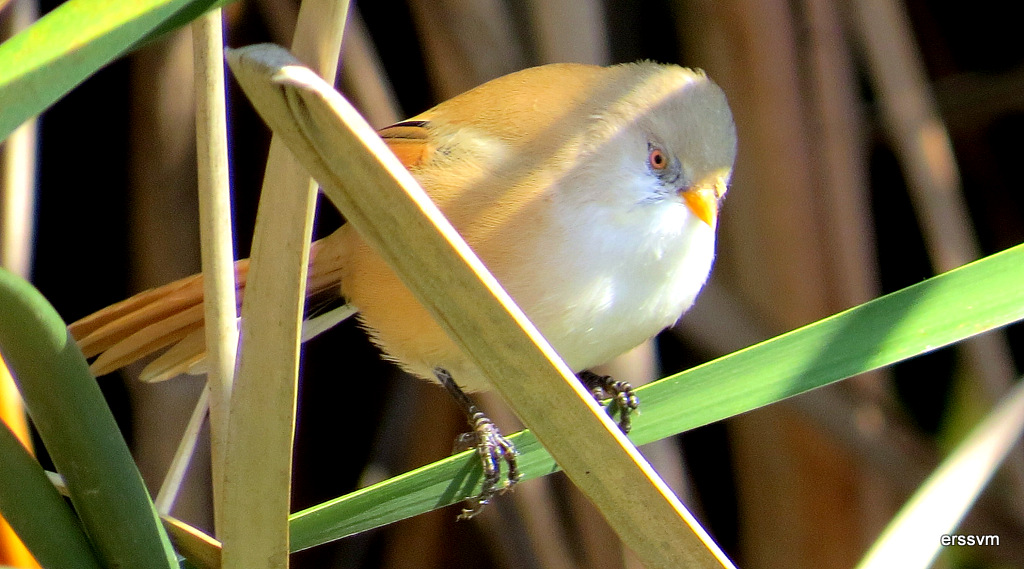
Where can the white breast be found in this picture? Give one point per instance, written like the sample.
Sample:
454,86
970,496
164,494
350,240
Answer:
631,279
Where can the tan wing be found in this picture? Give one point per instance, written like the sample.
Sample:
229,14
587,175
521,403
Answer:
409,141
171,316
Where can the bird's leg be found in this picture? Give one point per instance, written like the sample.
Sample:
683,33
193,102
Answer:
621,393
490,446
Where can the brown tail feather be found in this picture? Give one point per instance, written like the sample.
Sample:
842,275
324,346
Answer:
172,316
89,330
150,339
182,357
140,312
145,323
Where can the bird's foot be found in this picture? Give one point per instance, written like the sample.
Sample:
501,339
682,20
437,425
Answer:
491,446
624,400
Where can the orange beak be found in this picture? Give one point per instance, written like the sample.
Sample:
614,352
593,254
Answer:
702,199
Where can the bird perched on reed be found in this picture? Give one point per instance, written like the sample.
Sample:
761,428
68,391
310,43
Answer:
591,193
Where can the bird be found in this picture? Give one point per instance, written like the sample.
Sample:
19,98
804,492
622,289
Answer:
591,193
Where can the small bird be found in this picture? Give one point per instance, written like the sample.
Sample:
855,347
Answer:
591,193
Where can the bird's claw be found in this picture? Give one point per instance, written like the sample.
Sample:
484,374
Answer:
624,399
492,448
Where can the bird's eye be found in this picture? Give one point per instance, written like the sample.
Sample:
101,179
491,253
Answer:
657,159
